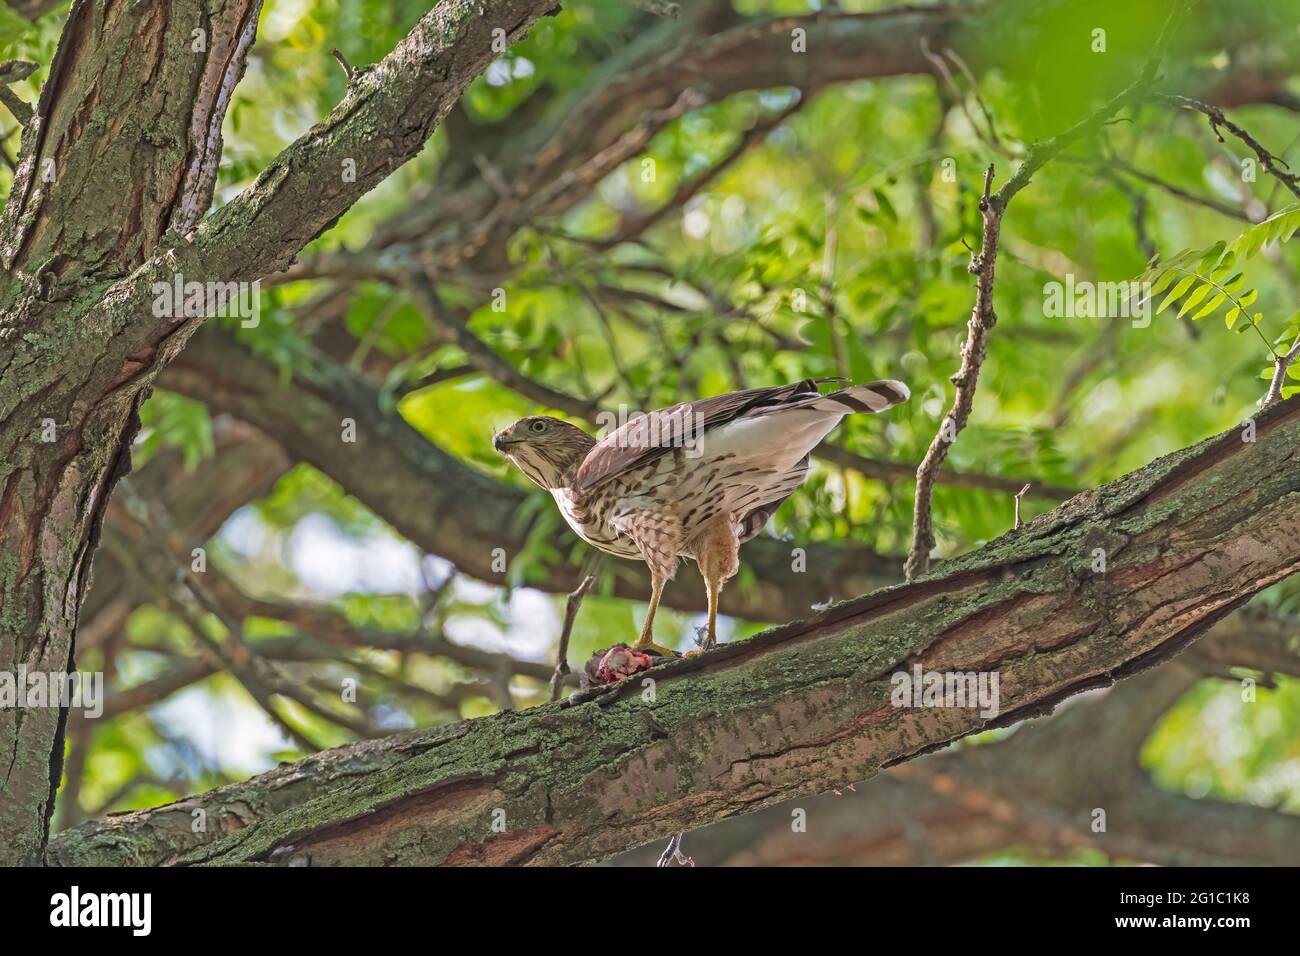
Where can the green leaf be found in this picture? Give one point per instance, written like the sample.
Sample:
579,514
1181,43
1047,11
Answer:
1210,306
1211,258
1163,282
1183,285
886,207
1192,300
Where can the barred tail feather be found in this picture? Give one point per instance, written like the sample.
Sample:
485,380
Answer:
871,398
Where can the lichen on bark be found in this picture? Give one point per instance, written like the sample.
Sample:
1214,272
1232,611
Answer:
801,708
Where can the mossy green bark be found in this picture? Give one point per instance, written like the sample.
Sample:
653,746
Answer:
796,710
115,173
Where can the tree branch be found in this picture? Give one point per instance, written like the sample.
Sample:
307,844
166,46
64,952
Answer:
983,317
316,179
1034,793
1218,121
798,709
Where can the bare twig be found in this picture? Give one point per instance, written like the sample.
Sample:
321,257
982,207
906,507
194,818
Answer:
1138,200
636,226
673,853
941,67
975,93
1273,165
982,320
830,248
348,69
983,317
1119,165
1019,494
450,328
885,470
543,197
570,615
493,176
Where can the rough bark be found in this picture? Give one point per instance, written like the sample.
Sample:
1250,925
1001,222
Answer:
797,710
115,172
1033,793
110,162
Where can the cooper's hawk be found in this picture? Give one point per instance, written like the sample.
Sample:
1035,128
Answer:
695,480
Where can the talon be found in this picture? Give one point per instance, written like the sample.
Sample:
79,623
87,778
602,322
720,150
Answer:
651,647
705,640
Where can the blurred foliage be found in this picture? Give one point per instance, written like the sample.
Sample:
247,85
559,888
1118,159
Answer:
1226,741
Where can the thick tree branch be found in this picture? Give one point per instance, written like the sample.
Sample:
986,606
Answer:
244,466
798,709
1034,793
316,179
115,171
111,160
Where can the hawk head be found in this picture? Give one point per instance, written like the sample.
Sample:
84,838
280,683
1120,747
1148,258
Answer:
546,449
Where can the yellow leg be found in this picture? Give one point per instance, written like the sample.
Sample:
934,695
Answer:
716,554
715,588
646,641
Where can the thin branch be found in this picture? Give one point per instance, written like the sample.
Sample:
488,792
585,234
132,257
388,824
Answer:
991,137
1119,165
1273,165
570,615
573,774
687,191
975,92
1019,494
830,248
982,320
453,330
886,470
983,317
348,69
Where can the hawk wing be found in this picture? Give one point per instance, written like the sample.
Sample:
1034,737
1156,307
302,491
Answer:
641,440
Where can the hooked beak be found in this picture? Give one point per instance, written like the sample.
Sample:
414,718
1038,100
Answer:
501,443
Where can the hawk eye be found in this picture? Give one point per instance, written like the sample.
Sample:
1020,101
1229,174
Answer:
537,427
